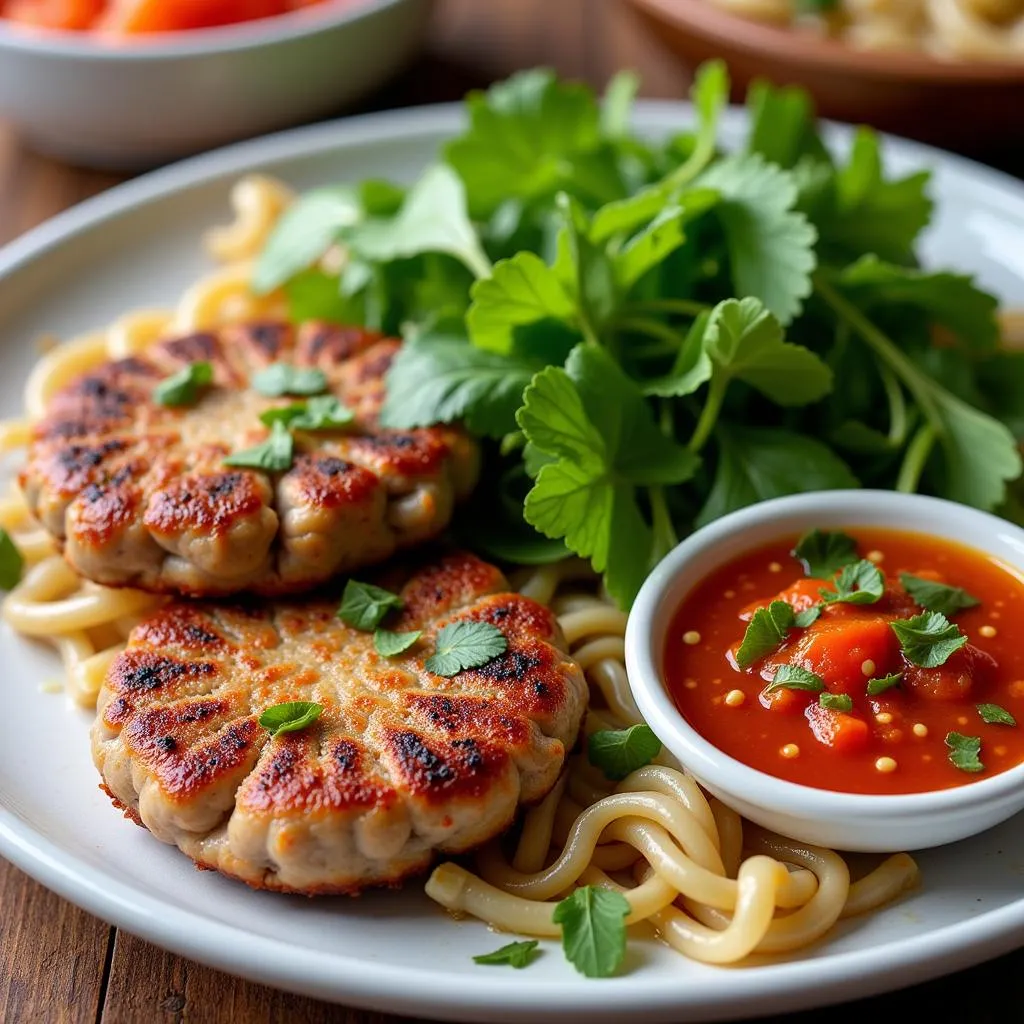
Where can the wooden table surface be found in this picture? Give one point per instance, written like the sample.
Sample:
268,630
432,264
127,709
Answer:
60,964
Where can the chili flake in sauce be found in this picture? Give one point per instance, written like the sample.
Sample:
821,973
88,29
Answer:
878,661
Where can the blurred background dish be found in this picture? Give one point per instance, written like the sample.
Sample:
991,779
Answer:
91,99
962,87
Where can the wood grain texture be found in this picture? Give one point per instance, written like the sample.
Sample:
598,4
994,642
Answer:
58,964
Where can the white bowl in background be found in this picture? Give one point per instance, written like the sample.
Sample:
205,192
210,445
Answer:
845,821
158,98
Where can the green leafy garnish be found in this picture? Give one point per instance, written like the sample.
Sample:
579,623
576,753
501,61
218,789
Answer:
836,701
795,677
765,632
964,752
995,715
929,639
937,597
858,583
11,562
274,455
465,645
183,387
279,379
882,683
515,954
390,644
290,717
324,412
824,553
593,924
808,616
617,752
363,606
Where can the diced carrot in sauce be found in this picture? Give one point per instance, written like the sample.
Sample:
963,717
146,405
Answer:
180,15
801,595
956,680
845,733
71,15
788,701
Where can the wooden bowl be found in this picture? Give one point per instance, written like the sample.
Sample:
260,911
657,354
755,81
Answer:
955,104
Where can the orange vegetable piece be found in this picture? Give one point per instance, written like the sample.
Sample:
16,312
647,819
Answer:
964,669
843,732
63,14
801,595
180,15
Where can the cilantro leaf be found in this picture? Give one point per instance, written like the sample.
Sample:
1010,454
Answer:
929,639
303,234
432,219
314,295
808,616
617,104
363,606
522,290
11,562
755,464
182,388
765,632
882,683
782,127
744,341
836,701
823,552
937,597
964,752
389,644
795,677
995,715
274,455
771,246
441,379
465,645
857,583
324,412
692,365
291,716
593,924
280,379
617,752
515,954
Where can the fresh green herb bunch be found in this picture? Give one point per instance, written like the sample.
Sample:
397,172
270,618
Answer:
653,333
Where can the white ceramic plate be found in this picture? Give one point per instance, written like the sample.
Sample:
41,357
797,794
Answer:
138,245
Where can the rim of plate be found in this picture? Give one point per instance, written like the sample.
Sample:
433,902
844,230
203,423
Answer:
245,35
343,978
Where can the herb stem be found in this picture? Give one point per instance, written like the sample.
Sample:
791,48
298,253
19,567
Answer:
709,414
665,536
898,422
652,328
915,458
685,307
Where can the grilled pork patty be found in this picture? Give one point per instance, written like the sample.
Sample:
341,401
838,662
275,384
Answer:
401,763
139,495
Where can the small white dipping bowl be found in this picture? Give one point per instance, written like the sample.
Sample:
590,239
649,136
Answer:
156,98
844,821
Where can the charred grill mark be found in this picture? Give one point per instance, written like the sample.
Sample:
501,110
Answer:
419,761
198,767
325,481
514,666
266,339
346,756
201,347
324,344
179,625
213,502
135,671
167,743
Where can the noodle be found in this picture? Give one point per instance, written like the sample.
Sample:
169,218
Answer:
713,887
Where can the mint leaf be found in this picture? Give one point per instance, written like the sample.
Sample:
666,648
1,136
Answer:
521,291
593,924
765,632
964,752
290,717
441,379
995,715
433,219
745,342
928,640
389,644
794,677
183,387
324,412
836,701
618,752
882,683
937,597
464,645
771,246
363,606
858,583
11,562
755,464
515,954
279,379
274,455
304,232
823,553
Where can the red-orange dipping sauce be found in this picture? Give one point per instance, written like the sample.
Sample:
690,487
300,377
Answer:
876,694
